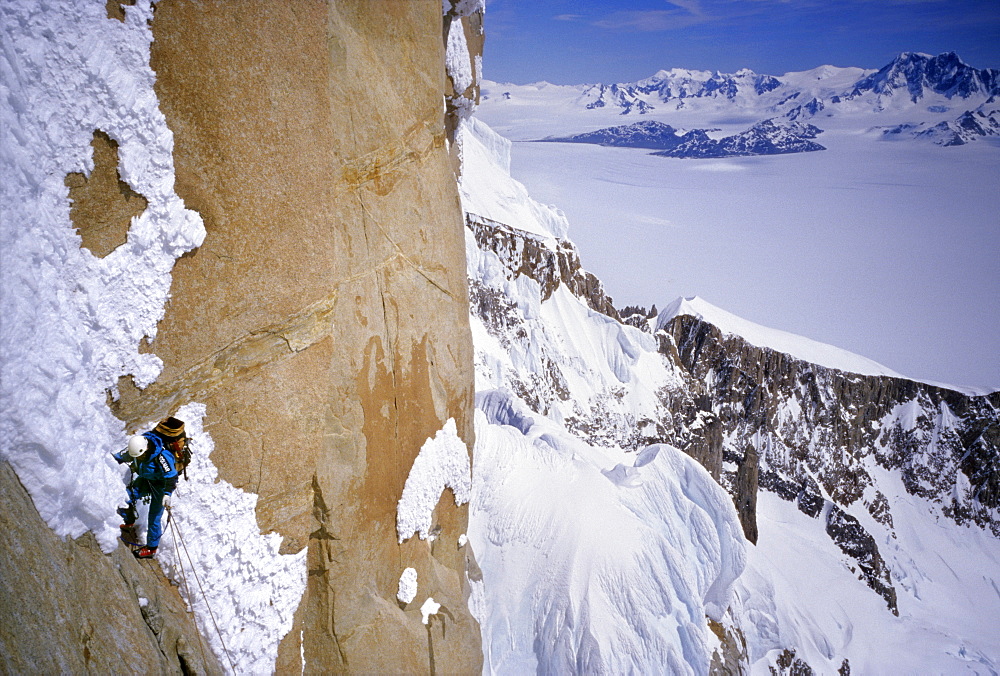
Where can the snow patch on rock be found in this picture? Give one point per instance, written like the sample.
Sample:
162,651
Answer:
430,607
407,590
443,462
231,575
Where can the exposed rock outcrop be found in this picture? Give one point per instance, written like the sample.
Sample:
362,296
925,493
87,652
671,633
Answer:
811,420
68,608
815,433
528,255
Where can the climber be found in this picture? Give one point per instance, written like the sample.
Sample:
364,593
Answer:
156,459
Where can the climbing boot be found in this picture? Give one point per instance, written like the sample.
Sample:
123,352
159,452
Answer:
127,514
145,553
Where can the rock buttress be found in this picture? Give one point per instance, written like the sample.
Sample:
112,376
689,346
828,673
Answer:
324,322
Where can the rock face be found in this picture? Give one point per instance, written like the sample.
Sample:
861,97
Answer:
323,323
67,608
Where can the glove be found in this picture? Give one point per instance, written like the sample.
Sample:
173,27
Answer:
166,501
122,456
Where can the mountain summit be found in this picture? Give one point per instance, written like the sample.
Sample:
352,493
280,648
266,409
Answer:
919,74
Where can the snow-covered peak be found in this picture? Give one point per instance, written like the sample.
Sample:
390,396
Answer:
905,57
833,78
677,74
797,346
921,73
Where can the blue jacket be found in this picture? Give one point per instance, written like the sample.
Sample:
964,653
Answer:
157,464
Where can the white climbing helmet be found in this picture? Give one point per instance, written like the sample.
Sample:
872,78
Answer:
137,445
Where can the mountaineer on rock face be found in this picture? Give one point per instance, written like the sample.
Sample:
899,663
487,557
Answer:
156,458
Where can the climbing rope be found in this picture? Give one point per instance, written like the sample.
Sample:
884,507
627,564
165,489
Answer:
187,592
180,539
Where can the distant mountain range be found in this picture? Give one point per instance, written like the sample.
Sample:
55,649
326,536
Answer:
934,98
917,75
775,136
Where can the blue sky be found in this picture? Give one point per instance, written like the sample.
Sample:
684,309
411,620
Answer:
582,41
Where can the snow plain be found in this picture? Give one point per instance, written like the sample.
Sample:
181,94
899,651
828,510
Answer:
884,248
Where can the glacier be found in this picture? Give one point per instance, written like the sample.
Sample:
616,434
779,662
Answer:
877,244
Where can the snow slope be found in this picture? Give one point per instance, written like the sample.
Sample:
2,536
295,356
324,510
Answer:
797,591
595,562
72,323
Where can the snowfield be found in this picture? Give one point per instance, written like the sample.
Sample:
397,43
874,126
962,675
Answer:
592,565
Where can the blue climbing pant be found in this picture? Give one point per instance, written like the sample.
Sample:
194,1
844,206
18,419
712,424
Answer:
154,490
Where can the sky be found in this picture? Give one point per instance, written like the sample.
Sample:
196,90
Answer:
585,41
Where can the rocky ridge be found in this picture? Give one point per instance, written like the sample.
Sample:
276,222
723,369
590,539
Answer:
817,436
645,134
775,136
767,137
966,128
